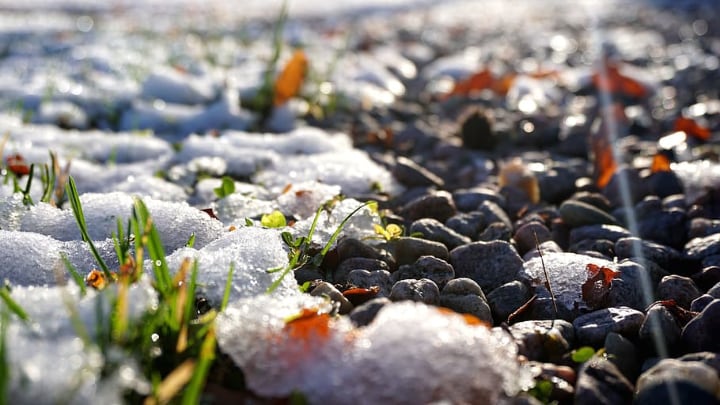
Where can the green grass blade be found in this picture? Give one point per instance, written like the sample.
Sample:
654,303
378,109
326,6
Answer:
340,227
228,287
27,200
77,278
12,305
191,240
150,238
197,383
191,287
4,365
74,198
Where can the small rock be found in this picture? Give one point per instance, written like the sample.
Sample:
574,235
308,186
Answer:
364,314
663,184
367,279
556,184
675,201
307,273
592,328
350,247
408,249
464,296
494,213
468,200
678,288
701,334
702,227
637,187
329,290
700,248
422,290
439,205
495,231
490,264
476,130
595,232
601,382
411,174
341,273
543,340
527,235
468,224
667,227
690,382
707,358
660,319
507,298
432,268
432,229
578,213
597,200
707,277
545,247
666,257
623,353
701,302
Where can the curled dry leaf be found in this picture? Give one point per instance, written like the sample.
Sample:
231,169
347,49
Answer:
308,325
604,164
596,288
16,163
291,78
359,295
661,162
692,128
96,279
614,82
682,316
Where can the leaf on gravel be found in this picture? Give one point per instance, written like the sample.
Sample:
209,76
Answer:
604,162
692,128
596,288
477,81
614,82
291,78
308,325
661,162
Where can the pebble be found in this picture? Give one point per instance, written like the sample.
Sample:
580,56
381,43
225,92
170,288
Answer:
543,340
661,318
701,248
638,188
591,329
494,213
664,256
495,231
329,290
525,236
601,382
490,264
701,302
411,174
701,333
545,247
367,279
507,298
468,200
307,273
597,200
340,274
350,247
623,353
408,249
578,213
706,278
476,129
429,267
364,314
439,205
556,184
667,227
707,358
714,291
691,382
432,229
595,232
702,227
664,184
678,288
469,224
465,296
422,290
604,247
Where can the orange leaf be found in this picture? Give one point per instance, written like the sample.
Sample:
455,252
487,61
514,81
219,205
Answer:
309,324
604,162
502,85
615,82
291,78
471,320
692,128
596,289
660,163
17,164
478,81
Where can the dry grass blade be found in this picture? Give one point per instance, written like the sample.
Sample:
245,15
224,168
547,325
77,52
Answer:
547,279
173,383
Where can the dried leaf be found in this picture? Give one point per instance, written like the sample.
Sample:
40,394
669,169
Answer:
478,81
692,128
604,162
97,280
16,163
682,316
596,289
309,324
660,163
471,320
616,83
290,80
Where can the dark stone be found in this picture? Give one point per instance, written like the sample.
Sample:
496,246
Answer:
476,130
688,382
543,340
627,289
663,184
364,314
356,263
495,231
678,288
470,200
507,298
527,235
432,229
329,290
490,264
439,205
468,224
597,200
701,334
666,227
307,273
600,382
408,249
422,290
595,232
578,213
432,268
661,319
702,227
351,247
700,248
664,256
623,353
556,184
411,174
367,279
707,277
592,328
494,213
464,296
701,302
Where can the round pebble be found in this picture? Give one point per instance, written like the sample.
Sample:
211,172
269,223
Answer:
578,213
432,229
429,267
367,279
422,290
701,333
439,205
490,264
591,329
678,288
408,249
466,297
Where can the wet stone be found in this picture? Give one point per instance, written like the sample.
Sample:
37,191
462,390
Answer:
627,289
364,314
701,334
692,382
495,231
439,205
367,279
411,174
356,263
602,246
490,264
664,256
623,353
432,229
326,289
714,291
707,358
592,328
666,227
467,224
476,130
545,247
678,288
659,317
663,184
307,273
429,267
597,200
601,382
675,201
525,236
408,249
543,340
507,298
578,213
595,232
464,296
422,290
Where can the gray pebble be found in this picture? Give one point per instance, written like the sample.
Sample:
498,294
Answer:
666,227
543,340
432,268
342,271
495,231
661,319
601,382
507,298
714,291
329,290
470,200
592,328
525,236
707,358
407,249
307,273
490,264
432,229
702,227
700,248
690,382
595,232
350,247
578,213
367,279
439,205
466,297
545,247
556,184
422,290
411,174
364,314
701,302
678,288
665,256
627,289
623,353
468,224
701,333
494,213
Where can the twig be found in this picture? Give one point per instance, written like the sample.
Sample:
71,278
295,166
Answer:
547,280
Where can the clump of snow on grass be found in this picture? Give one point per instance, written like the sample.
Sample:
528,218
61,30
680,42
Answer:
251,251
359,226
174,86
444,359
29,258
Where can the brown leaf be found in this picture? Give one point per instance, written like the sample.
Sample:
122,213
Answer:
604,162
596,289
692,128
616,83
290,80
16,163
660,163
308,325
